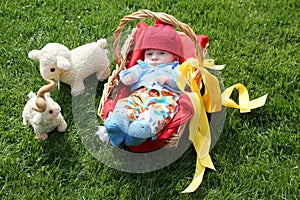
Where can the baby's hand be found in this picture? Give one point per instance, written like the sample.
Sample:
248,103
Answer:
163,79
129,79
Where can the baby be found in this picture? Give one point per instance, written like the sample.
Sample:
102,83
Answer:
152,81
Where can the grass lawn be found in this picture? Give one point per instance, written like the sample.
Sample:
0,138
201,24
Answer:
257,155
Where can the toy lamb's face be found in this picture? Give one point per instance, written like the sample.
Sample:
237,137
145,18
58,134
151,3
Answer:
53,109
49,71
54,59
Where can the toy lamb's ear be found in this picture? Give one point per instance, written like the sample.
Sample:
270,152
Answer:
102,43
34,54
37,118
47,94
63,63
31,95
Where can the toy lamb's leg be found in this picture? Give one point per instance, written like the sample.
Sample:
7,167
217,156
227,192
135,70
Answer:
62,127
25,122
103,74
41,136
77,88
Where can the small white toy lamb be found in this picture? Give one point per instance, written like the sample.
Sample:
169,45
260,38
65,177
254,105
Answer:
72,67
43,113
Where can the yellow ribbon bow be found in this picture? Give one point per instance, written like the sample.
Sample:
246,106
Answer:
212,97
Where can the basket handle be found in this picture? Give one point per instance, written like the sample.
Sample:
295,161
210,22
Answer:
166,18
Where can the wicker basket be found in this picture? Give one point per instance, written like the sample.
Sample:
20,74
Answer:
121,56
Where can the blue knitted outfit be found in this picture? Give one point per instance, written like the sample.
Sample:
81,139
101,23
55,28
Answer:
148,109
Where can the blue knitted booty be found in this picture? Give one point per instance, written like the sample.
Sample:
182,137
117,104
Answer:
133,141
112,124
140,129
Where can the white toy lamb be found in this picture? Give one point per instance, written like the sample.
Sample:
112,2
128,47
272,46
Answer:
42,113
72,67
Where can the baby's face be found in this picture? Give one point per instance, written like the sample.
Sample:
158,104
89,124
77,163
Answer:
156,57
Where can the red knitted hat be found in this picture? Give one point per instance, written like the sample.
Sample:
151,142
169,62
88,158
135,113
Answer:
162,36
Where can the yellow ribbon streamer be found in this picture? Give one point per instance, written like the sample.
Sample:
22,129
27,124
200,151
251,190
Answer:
201,138
244,104
199,126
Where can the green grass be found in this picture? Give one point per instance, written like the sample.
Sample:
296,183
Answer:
257,155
